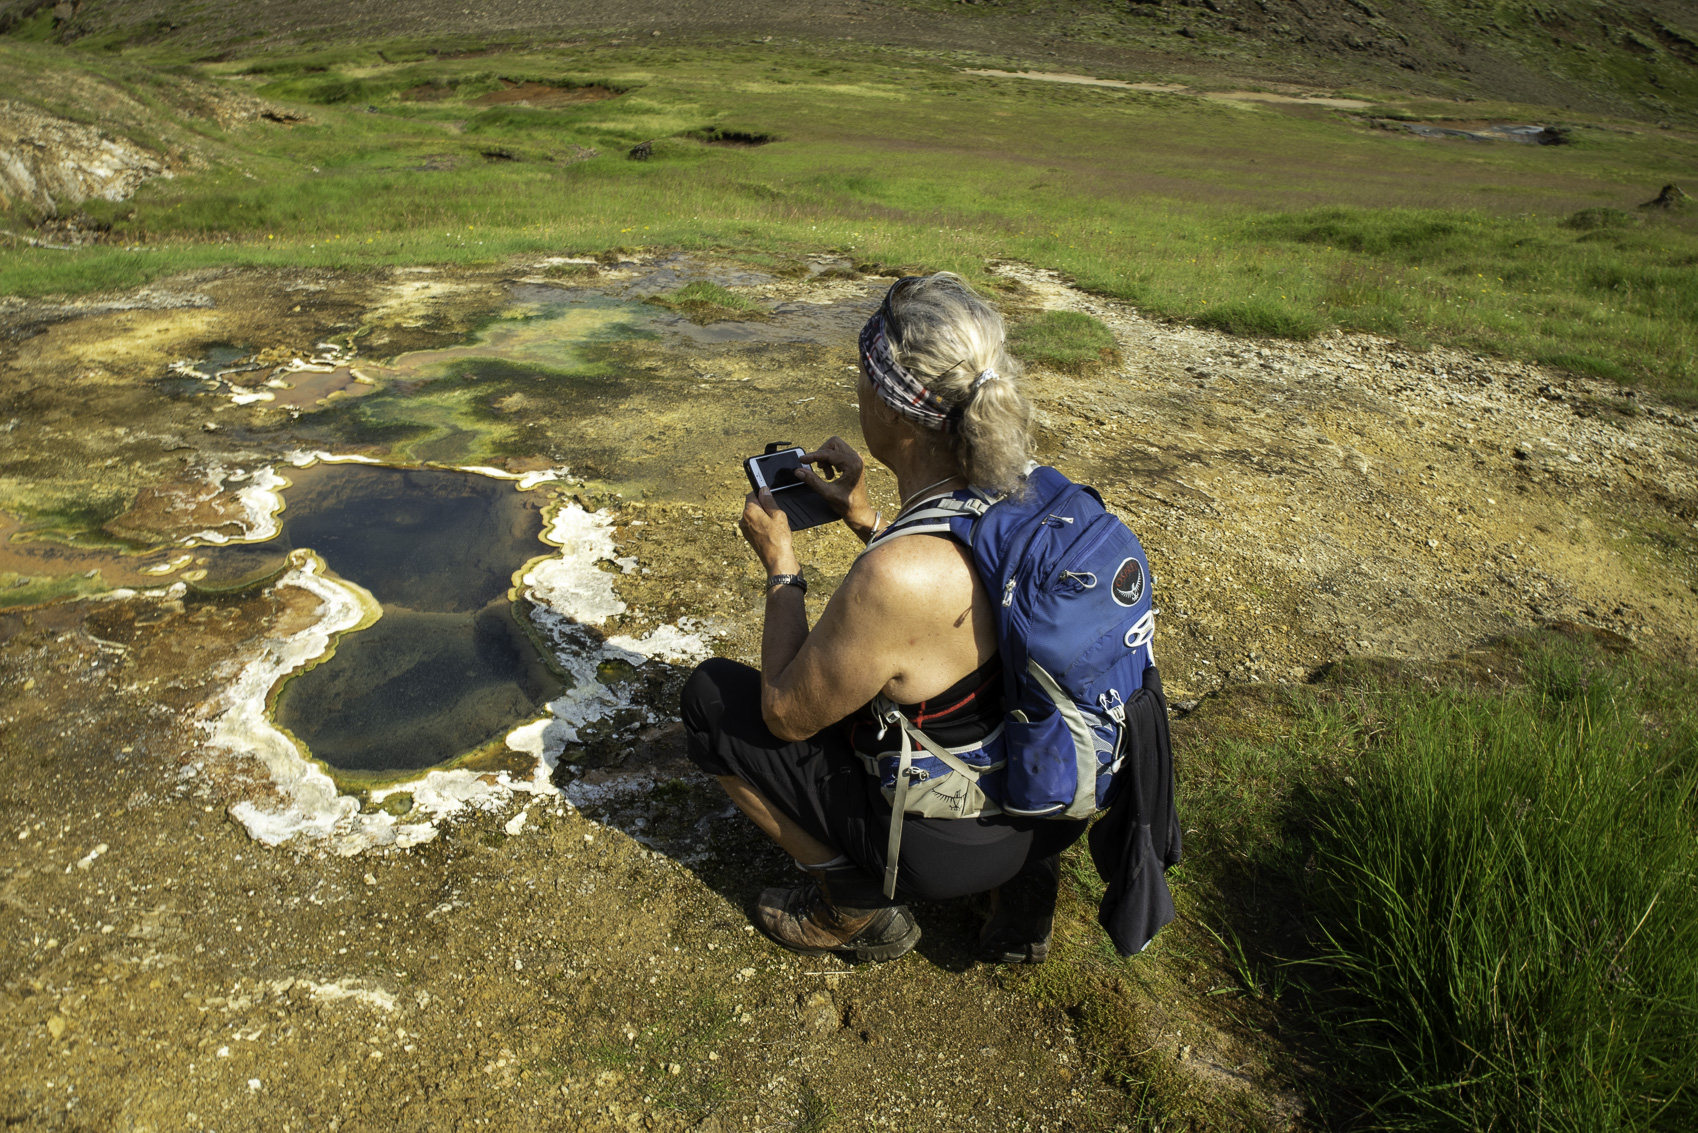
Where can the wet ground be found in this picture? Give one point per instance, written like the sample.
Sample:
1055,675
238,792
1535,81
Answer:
525,958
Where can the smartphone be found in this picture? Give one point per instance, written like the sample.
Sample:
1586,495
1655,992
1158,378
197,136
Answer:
775,470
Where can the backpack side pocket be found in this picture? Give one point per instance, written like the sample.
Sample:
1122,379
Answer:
1053,759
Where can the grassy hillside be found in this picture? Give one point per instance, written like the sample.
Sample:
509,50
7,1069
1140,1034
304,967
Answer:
1259,219
1638,58
1632,57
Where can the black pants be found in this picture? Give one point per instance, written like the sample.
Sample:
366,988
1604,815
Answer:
822,786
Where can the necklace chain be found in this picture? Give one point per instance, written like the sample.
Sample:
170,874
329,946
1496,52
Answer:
929,487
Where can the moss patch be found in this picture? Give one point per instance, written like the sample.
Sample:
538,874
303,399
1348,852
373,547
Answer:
1064,340
706,302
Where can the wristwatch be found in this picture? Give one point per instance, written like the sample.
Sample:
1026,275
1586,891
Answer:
796,580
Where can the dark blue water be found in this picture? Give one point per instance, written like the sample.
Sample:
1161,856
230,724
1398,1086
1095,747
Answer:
447,668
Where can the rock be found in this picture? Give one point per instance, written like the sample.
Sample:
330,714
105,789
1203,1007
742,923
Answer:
56,1026
51,162
1672,198
817,1013
642,151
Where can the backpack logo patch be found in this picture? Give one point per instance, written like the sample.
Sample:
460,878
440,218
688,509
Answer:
1129,583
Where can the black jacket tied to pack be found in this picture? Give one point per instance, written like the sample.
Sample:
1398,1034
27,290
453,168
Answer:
1134,843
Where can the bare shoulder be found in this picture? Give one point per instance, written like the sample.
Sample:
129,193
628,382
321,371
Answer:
913,570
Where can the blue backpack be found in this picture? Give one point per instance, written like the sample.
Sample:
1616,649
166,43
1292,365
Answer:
1074,625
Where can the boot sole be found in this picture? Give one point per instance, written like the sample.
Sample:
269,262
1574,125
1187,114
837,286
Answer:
866,953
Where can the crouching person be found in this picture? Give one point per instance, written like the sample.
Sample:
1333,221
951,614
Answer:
806,746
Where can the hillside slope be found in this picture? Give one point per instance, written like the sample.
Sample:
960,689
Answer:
1633,57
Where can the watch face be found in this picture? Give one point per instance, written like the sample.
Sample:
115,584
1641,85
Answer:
1128,585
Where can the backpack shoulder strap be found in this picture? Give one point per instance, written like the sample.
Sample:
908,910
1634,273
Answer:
942,516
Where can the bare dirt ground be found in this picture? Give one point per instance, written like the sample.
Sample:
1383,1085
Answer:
589,965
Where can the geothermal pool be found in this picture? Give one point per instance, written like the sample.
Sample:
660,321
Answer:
456,622
447,667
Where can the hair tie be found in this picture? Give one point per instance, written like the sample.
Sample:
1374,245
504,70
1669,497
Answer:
986,375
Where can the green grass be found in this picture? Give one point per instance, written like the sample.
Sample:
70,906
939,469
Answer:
1264,318
1471,890
1506,894
1588,219
706,302
1064,340
1239,218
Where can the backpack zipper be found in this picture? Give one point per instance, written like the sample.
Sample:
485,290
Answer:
1063,498
1100,531
1111,703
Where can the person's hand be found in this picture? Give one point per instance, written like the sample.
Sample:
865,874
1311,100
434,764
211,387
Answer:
842,481
768,531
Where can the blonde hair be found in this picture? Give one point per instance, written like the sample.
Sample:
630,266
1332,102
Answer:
947,336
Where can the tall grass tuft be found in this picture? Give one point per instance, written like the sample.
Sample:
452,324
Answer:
1507,898
1260,318
704,301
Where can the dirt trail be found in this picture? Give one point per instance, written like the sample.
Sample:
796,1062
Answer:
583,962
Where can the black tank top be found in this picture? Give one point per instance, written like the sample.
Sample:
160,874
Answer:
964,713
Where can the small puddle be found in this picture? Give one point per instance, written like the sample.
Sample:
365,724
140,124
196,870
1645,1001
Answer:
1482,132
552,364
447,668
233,373
453,655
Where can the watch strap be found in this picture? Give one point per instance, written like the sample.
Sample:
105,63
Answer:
796,580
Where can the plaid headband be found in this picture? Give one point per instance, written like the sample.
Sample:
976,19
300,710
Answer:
895,386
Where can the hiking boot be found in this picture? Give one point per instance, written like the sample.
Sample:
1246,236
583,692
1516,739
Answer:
838,909
1022,918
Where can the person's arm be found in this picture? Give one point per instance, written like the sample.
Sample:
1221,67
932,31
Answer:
902,620
786,625
850,656
904,614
